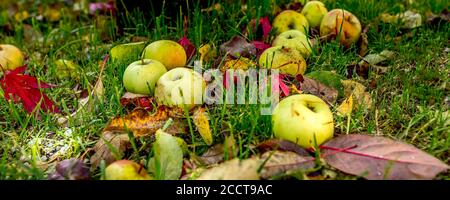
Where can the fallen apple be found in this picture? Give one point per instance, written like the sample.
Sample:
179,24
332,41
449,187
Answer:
180,87
126,170
288,20
287,60
342,25
303,119
169,53
124,53
140,77
294,39
10,57
314,12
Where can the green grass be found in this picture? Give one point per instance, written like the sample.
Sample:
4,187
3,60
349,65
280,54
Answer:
409,99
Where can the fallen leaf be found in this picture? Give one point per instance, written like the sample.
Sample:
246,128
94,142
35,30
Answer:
358,91
364,42
207,53
188,47
70,169
27,89
317,88
137,101
237,47
201,121
408,19
168,159
346,106
110,147
141,123
216,153
260,47
281,145
239,63
374,59
433,19
376,158
233,170
280,162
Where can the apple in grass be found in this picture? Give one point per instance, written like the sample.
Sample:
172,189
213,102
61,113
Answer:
314,12
169,53
126,170
127,52
294,39
140,77
304,119
10,57
287,60
181,87
341,25
289,20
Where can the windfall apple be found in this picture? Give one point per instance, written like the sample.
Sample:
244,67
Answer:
126,170
341,25
287,60
169,53
10,57
140,77
290,19
314,12
294,39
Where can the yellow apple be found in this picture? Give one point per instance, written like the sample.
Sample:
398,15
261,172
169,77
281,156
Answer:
294,39
314,12
180,87
287,60
126,170
301,118
10,57
341,24
169,53
288,20
141,76
127,52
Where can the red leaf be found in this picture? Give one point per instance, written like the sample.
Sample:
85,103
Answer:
260,46
26,88
188,46
266,27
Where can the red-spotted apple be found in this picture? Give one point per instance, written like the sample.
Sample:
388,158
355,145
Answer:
10,57
290,19
301,118
126,170
294,39
169,53
180,87
342,25
140,77
314,12
287,60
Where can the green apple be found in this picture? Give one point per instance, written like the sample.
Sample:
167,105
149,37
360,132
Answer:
287,60
10,57
124,53
66,69
180,87
288,20
141,76
342,25
294,39
126,170
314,12
301,118
169,53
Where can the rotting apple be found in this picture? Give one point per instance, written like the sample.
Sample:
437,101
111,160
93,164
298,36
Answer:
342,25
127,52
314,12
126,170
294,39
304,119
287,60
140,77
10,57
290,19
169,53
180,87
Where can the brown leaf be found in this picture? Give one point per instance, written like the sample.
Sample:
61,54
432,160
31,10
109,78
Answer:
280,162
364,42
281,145
216,153
380,158
141,123
314,87
237,47
361,98
233,170
109,148
433,19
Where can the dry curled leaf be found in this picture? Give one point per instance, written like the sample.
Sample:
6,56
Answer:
207,53
109,148
378,158
408,19
364,42
141,123
237,47
361,98
216,153
433,19
281,162
317,88
233,170
346,106
70,169
201,121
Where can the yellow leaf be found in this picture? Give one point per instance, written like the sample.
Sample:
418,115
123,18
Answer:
346,107
241,63
358,91
207,53
201,121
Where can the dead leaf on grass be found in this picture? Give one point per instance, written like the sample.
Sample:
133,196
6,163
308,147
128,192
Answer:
110,147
